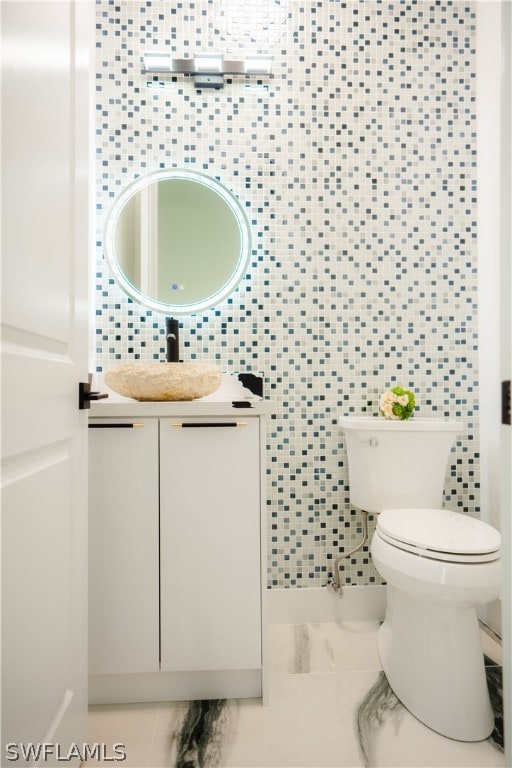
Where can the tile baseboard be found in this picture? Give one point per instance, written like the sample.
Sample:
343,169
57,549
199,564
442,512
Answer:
302,606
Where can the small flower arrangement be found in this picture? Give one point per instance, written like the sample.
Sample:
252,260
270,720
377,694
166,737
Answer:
397,404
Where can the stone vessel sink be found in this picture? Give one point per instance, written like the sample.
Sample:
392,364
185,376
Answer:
164,381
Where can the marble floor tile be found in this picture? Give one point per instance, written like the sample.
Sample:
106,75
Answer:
495,686
329,706
169,720
323,648
311,720
391,736
132,725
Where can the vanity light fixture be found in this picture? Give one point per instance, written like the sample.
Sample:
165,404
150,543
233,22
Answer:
208,69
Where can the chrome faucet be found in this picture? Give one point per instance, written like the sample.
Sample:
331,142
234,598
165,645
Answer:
172,336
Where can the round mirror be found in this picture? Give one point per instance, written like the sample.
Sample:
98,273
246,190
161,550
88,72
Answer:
177,241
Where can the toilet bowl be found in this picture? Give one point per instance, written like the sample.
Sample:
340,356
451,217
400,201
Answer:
430,644
438,565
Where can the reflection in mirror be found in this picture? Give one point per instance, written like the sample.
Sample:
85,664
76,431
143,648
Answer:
177,241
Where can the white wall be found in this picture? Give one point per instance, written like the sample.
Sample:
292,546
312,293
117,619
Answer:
357,178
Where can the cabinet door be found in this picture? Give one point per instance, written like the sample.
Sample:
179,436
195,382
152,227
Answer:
210,545
123,546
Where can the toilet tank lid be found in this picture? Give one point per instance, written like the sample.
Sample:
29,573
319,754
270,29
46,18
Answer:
440,530
415,424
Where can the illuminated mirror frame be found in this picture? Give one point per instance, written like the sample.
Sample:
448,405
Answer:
208,301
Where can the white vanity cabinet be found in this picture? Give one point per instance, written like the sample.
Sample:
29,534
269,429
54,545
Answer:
123,546
210,585
177,541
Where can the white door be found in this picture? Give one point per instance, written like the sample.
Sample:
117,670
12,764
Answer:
506,367
45,233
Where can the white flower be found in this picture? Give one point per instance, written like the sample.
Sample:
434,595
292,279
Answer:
388,398
387,410
403,404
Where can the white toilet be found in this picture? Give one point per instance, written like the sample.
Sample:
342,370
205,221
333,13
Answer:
438,565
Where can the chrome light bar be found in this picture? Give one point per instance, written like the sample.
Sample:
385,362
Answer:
208,69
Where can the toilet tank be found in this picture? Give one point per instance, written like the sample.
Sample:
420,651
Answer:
397,464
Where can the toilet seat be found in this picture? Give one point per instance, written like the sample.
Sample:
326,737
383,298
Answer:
439,534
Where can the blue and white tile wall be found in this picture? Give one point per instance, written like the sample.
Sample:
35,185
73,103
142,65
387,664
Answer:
356,164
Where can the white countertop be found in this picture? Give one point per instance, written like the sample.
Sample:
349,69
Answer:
219,403
124,408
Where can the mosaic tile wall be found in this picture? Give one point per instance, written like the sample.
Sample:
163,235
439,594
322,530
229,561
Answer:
355,162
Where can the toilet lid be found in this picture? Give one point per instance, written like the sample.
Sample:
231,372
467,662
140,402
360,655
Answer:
439,533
